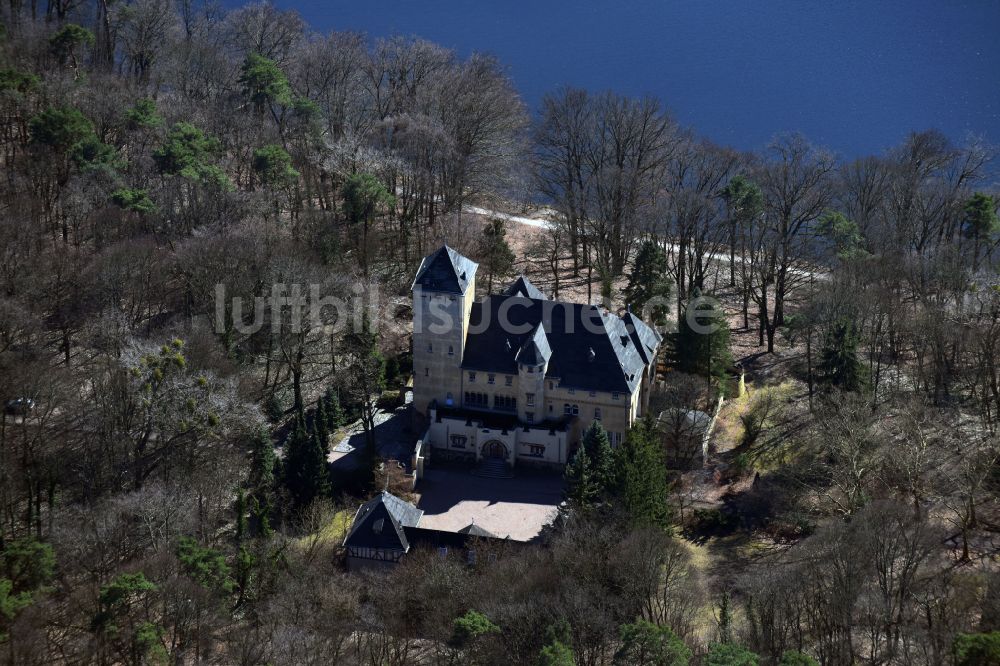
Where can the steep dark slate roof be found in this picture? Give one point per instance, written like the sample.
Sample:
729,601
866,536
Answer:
522,287
535,350
590,349
646,339
380,521
445,271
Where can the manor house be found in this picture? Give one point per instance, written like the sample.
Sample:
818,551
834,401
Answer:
516,378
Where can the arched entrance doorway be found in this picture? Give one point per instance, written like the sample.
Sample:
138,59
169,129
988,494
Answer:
495,449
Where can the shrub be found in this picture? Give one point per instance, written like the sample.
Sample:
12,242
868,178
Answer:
978,649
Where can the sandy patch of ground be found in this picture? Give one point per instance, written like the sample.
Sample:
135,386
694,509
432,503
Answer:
517,507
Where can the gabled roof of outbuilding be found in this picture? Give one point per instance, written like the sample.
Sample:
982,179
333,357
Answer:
380,521
445,271
522,287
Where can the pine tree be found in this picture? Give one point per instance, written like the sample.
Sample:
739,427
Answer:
648,281
701,344
497,257
334,412
600,456
642,476
839,365
321,427
581,490
556,654
262,462
644,643
263,466
305,471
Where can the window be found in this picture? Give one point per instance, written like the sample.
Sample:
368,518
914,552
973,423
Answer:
508,380
614,396
551,385
615,437
491,379
572,391
472,378
451,350
550,409
529,417
504,403
597,413
443,551
449,399
531,369
473,399
576,410
458,441
593,394
567,409
427,372
536,450
530,398
430,348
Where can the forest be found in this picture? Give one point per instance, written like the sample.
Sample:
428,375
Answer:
164,496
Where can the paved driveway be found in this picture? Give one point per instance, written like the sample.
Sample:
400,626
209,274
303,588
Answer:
517,507
393,437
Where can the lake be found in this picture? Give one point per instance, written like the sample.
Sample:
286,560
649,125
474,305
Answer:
853,76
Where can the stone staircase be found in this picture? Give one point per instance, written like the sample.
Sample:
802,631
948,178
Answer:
493,468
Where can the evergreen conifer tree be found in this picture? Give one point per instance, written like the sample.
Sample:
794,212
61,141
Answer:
264,469
580,487
642,476
305,471
839,365
648,280
600,456
321,426
701,344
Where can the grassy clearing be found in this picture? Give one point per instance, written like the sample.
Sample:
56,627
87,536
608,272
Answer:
769,406
331,534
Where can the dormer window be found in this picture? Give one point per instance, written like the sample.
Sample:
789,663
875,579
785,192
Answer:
491,379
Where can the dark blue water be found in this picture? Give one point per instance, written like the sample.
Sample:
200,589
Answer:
854,76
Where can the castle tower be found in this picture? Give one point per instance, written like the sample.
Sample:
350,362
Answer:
532,362
443,292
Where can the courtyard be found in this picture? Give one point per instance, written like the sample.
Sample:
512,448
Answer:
518,507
